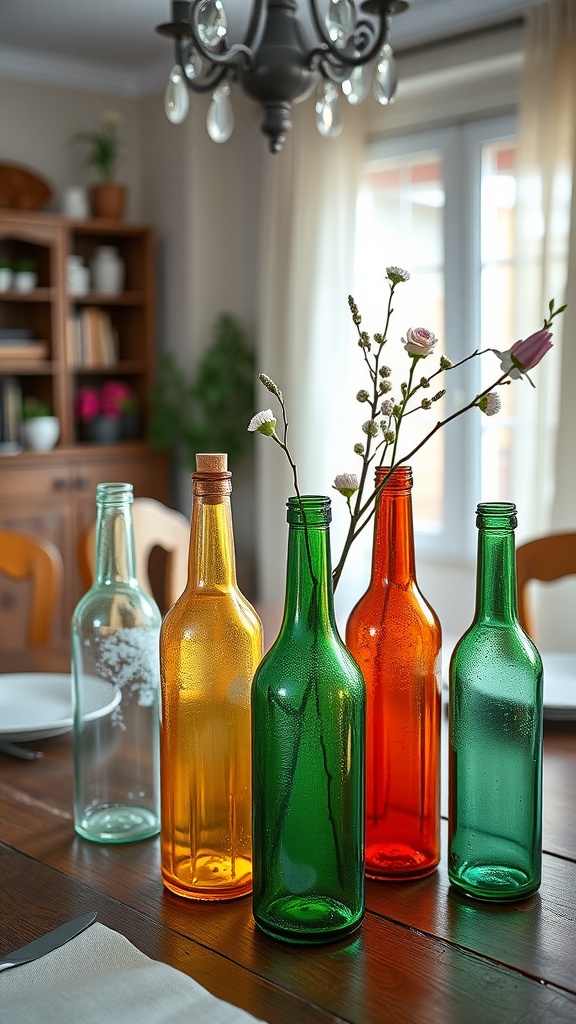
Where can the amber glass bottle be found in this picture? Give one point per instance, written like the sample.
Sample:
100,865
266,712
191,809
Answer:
396,639
210,646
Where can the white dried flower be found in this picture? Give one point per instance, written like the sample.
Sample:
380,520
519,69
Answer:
264,422
490,403
370,427
396,274
387,407
346,484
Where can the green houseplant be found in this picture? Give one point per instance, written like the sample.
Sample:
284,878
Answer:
108,197
207,413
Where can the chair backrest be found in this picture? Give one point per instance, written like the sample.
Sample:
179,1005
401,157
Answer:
27,556
155,525
546,558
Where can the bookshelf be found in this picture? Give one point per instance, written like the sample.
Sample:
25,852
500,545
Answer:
56,343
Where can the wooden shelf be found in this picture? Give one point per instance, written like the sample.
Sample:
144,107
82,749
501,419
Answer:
52,493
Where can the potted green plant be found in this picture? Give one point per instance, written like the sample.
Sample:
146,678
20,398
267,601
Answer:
40,428
6,274
25,274
107,196
210,413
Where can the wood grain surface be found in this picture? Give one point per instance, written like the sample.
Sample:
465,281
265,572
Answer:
424,953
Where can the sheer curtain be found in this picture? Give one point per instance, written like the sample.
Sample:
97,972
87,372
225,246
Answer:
546,210
545,482
306,247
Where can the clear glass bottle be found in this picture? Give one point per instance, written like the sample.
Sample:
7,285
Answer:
396,638
308,717
211,643
495,779
116,687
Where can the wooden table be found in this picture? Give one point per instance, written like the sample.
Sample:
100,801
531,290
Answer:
424,953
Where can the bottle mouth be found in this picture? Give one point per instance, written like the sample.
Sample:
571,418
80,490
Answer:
400,478
310,509
496,515
113,493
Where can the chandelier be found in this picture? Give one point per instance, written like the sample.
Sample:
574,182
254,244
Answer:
276,65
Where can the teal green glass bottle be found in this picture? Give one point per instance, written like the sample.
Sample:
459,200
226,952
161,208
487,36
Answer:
116,687
495,773
308,722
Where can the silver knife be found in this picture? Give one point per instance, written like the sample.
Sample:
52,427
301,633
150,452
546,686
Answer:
46,943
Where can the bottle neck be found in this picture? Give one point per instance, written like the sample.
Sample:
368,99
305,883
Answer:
393,552
115,559
496,572
211,559
309,595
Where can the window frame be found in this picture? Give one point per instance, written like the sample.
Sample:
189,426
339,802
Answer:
460,144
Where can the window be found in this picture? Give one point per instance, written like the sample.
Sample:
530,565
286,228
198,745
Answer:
441,205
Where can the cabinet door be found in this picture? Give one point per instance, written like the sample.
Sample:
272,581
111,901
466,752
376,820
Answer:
52,521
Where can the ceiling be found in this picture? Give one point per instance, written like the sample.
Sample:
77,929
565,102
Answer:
111,44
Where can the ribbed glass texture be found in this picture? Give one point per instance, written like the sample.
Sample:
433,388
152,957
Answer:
211,644
116,684
395,637
495,816
308,755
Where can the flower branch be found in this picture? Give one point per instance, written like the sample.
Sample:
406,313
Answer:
382,429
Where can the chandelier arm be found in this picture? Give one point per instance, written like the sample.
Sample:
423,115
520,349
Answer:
362,45
239,54
213,77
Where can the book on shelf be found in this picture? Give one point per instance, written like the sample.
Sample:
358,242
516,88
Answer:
92,339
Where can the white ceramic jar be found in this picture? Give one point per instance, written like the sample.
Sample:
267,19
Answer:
107,270
78,276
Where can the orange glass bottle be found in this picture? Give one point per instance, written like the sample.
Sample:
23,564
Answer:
396,639
210,647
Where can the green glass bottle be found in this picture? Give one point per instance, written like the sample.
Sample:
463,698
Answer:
308,721
495,776
116,687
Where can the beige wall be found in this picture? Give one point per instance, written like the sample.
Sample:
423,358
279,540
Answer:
201,198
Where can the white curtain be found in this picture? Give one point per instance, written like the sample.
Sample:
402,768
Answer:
307,251
546,212
545,479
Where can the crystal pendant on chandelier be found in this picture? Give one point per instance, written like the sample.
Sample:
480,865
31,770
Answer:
328,114
212,23
176,100
355,87
340,18
220,119
386,78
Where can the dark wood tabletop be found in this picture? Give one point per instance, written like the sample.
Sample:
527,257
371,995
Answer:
424,953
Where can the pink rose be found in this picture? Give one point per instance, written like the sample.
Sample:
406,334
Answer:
419,341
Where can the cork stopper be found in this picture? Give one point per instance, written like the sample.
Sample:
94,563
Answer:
212,480
212,462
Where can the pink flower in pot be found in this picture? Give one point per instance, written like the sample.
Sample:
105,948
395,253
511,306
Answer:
87,404
116,398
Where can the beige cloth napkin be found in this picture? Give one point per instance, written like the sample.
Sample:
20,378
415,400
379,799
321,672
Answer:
101,977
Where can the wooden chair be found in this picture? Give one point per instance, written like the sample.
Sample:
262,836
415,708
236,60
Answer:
155,526
546,558
26,556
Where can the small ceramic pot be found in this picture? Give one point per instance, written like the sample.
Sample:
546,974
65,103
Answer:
25,280
6,278
41,433
102,430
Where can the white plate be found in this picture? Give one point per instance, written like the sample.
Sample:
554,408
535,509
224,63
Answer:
559,685
36,705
